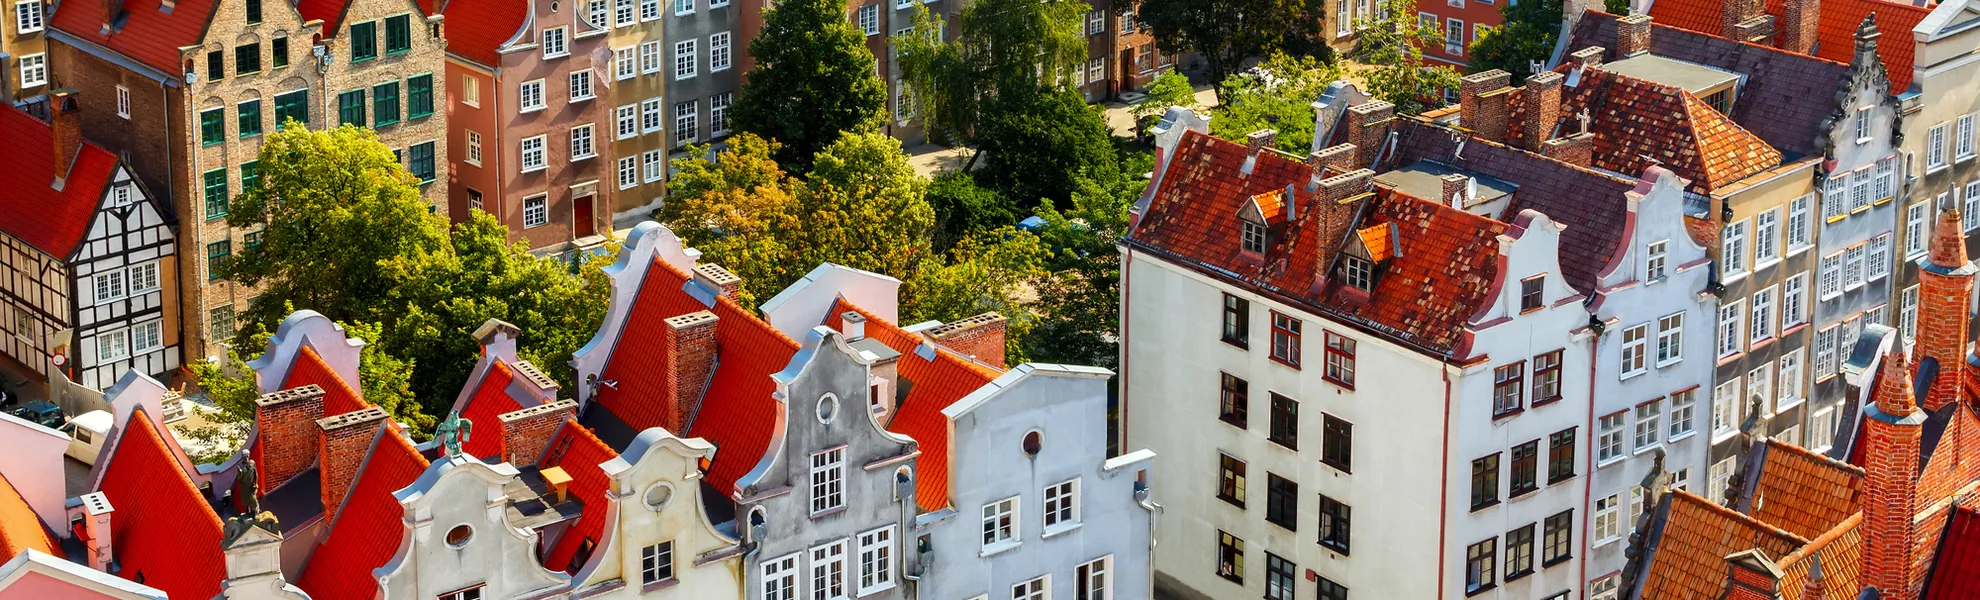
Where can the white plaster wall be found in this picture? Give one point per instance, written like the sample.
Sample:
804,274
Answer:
666,461
1170,385
31,460
456,492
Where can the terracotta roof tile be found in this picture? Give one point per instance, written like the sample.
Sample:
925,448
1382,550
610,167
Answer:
1835,30
1841,552
150,34
737,413
1956,575
477,28
580,453
1690,561
935,385
490,401
1783,98
31,209
338,396
163,530
1424,296
368,529
20,529
1955,461
1805,493
1638,123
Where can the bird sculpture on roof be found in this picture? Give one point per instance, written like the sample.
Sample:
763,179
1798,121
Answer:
452,432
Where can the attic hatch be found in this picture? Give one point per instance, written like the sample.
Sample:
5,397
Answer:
1258,214
1369,248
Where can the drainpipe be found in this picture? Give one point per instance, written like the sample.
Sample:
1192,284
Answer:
1444,478
1144,496
1588,482
1127,260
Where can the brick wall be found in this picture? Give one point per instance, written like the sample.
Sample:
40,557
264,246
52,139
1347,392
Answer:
428,56
526,433
690,347
980,337
345,440
285,425
1482,103
1543,109
1893,427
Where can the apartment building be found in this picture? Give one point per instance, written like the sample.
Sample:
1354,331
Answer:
88,261
1120,50
636,87
528,116
1459,23
23,38
381,62
184,91
1940,110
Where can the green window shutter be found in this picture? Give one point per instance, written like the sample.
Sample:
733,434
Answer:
216,258
419,96
350,108
364,41
422,162
249,118
250,175
216,193
398,34
212,126
385,100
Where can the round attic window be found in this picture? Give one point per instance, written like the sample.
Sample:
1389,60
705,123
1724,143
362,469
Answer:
658,496
459,536
1033,440
828,407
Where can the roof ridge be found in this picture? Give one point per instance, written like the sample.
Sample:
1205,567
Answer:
1742,518
1777,445
1815,546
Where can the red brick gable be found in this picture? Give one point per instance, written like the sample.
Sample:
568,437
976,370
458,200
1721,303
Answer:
1835,35
31,209
150,34
369,528
1639,123
164,533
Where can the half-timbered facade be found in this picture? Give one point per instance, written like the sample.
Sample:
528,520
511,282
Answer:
86,256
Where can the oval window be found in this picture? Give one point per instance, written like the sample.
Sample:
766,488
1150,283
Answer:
459,535
658,496
1032,441
828,407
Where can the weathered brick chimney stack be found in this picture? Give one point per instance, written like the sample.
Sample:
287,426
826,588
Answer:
1893,426
1743,20
1333,215
1799,21
285,433
65,122
1482,99
1543,109
727,284
1632,35
980,337
526,433
1255,143
1751,576
690,344
1368,126
345,440
1945,286
1459,190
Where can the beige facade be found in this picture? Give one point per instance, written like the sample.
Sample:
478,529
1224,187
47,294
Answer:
394,87
638,173
22,39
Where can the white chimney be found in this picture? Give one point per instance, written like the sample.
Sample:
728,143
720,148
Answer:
89,515
854,327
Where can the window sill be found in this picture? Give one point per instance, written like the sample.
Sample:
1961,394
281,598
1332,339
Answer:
531,109
1239,344
1506,414
1859,210
1877,277
1282,362
874,590
1734,277
1835,219
1798,249
1479,507
1059,530
1634,374
827,513
1287,444
1828,297
1605,542
529,170
652,586
1522,494
1760,265
558,55
584,157
1561,479
1555,561
1540,403
1682,436
1510,577
1343,469
1238,424
1642,449
356,60
1662,364
1604,463
1723,436
1853,287
1480,590
1232,501
1330,546
475,163
1782,406
999,548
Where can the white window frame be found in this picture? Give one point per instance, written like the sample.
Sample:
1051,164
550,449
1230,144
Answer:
780,579
1822,429
142,277
123,96
687,125
34,70
1963,140
651,119
1095,579
625,12
1830,285
1766,238
876,555
654,165
1656,264
147,337
473,154
1684,414
536,210
1732,252
1061,506
718,114
869,19
1915,232
1732,327
1878,263
1825,352
1835,196
28,17
628,172
108,285
1607,527
1800,212
1609,438
1760,386
113,345
534,153
1670,339
1721,472
584,142
684,60
1761,325
1908,313
1853,258
556,42
1935,148
625,64
719,44
1002,526
652,557
1863,124
1037,588
1649,425
625,120
1725,409
826,487
1792,379
1794,300
1635,350
649,10
471,91
582,85
527,101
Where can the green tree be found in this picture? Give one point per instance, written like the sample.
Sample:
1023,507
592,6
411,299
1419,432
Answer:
813,79
988,272
1038,145
1393,44
1003,49
1278,95
1079,302
331,207
1170,89
1526,36
1226,32
963,208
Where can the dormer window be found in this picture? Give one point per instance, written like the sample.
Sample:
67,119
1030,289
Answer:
1358,273
1251,236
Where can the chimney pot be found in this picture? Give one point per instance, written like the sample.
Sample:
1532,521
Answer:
1459,190
854,325
1633,35
1589,57
980,337
90,518
1482,105
527,433
1254,143
726,283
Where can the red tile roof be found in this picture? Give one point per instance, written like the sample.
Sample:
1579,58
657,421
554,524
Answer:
1835,35
1690,559
149,35
20,529
1638,123
368,529
737,413
580,453
476,28
164,533
1425,296
1957,574
1805,493
490,401
331,12
1841,551
936,384
338,396
30,207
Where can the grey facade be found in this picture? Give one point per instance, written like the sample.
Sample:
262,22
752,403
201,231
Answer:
1942,97
1101,540
711,26
801,520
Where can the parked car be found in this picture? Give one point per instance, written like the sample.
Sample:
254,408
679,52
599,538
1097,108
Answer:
86,435
40,412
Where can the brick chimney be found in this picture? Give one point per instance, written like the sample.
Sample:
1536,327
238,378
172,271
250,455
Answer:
718,278
285,431
1750,576
526,433
690,344
1799,20
64,122
1742,20
980,337
1333,214
1482,103
345,440
1576,149
1543,109
1459,190
1587,58
90,519
1632,35
1893,425
1945,286
1254,143
1368,129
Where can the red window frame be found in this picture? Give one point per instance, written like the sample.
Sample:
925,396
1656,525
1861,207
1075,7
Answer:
1340,360
1285,339
1546,377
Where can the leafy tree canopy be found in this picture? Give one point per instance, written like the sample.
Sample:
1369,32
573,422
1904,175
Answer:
1038,145
1003,49
813,79
1080,299
1226,32
1170,89
1526,36
1393,44
1279,95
